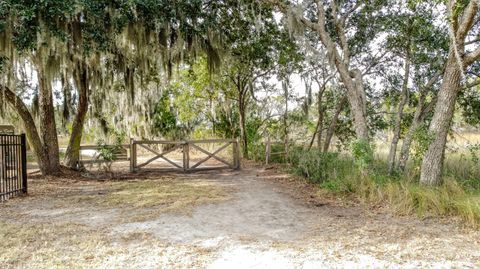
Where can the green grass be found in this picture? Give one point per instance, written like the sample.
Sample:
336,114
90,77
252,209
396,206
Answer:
463,169
458,196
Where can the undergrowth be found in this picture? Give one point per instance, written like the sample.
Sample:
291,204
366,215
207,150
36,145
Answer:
401,193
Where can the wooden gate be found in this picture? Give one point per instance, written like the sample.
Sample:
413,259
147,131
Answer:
186,163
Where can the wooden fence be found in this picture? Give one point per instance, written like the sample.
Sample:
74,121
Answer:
120,153
186,164
269,153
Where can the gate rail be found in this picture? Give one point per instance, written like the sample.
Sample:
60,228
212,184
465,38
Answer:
13,165
120,154
186,164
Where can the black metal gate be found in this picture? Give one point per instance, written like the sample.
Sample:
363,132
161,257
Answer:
13,165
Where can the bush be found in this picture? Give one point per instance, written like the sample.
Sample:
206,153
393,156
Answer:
362,152
318,167
465,169
373,186
107,153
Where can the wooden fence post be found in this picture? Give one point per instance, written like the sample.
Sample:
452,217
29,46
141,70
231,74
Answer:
133,155
267,151
236,154
186,156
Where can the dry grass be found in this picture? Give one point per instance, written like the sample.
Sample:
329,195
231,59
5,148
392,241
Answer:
170,195
50,245
71,239
465,138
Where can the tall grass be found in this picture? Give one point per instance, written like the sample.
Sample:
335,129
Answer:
459,196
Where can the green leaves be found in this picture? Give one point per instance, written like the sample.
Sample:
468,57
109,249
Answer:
33,18
470,103
362,152
164,119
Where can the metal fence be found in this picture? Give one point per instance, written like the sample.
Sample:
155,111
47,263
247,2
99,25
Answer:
13,165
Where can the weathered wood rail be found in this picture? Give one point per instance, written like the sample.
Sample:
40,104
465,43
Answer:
186,164
269,153
121,154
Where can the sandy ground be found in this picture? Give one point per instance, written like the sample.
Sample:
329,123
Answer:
269,222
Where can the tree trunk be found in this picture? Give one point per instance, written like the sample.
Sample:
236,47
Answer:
319,126
461,24
420,114
432,165
317,134
285,121
243,132
30,129
320,129
48,129
72,154
398,119
333,123
408,139
353,82
351,78
67,99
358,105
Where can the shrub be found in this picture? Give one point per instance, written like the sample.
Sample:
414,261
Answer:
318,167
372,185
107,153
464,170
362,152
422,139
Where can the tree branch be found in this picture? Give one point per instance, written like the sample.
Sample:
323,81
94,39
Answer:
467,21
22,110
472,41
341,33
471,57
471,85
376,61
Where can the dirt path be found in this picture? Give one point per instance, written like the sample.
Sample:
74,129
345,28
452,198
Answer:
262,225
258,211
